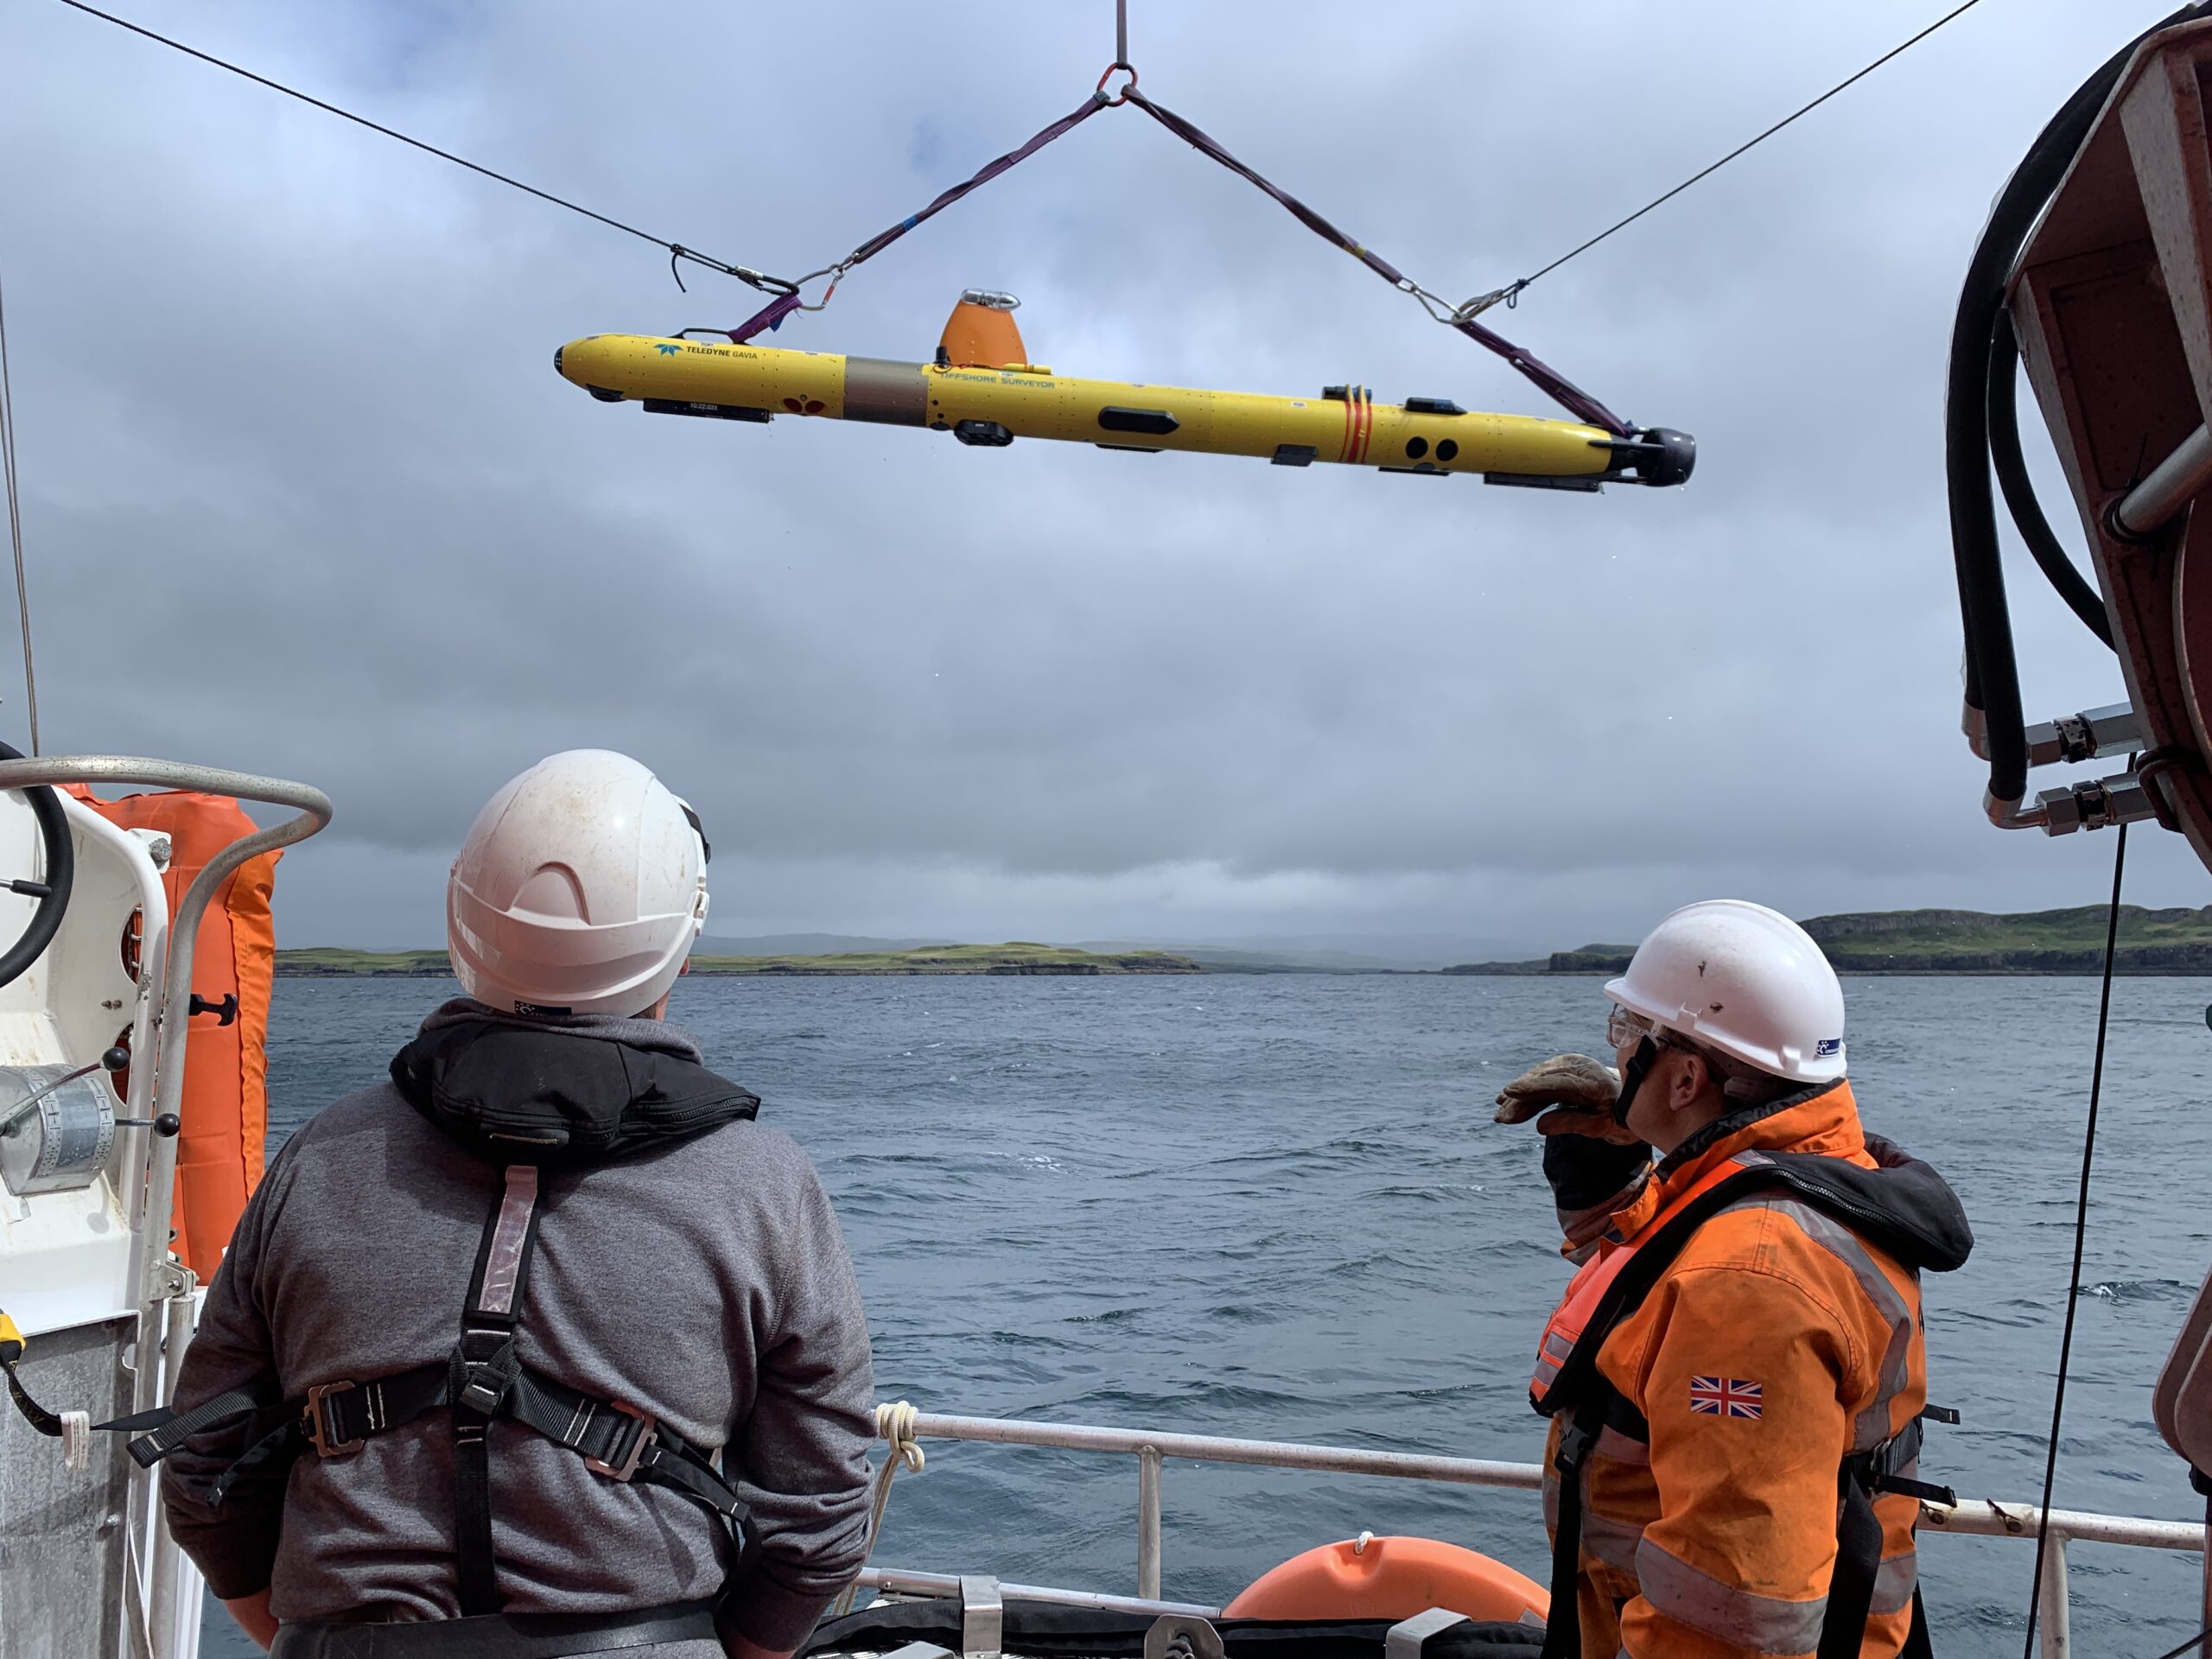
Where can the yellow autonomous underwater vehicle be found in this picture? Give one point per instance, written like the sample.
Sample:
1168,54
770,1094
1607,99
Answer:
983,390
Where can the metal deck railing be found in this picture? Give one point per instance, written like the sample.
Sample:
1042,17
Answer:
1973,1517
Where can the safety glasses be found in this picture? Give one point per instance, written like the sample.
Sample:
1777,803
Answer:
1626,1030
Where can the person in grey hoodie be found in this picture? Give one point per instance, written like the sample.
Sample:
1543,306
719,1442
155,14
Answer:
660,1390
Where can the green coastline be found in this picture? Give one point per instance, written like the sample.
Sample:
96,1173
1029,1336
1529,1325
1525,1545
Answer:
1966,942
2044,942
1015,959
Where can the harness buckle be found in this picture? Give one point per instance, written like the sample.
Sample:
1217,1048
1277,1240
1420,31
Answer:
1574,1443
318,1424
487,1369
648,1433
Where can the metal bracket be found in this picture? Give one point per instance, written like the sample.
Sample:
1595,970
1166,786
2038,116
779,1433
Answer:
170,1280
1405,1639
2172,484
983,1615
919,1650
1181,1636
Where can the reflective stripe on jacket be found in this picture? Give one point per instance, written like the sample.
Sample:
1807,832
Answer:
1776,1344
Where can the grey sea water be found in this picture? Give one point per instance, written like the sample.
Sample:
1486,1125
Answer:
1277,1207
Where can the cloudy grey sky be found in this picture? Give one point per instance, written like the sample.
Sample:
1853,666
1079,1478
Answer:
305,496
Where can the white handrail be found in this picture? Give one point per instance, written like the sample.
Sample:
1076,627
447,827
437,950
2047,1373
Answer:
1976,1517
1209,1448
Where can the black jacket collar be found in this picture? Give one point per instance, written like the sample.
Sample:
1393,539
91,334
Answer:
518,1093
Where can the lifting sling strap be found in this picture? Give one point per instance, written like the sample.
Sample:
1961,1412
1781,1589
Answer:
483,1379
1582,1391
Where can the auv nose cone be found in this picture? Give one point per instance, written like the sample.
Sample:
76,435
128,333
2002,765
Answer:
557,350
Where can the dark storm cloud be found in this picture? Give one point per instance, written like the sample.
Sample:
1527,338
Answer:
287,387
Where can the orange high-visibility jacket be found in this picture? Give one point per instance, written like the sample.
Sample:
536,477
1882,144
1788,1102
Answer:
1776,1344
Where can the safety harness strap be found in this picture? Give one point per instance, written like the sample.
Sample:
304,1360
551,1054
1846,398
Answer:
472,1509
1858,1540
621,1442
483,1379
1857,1559
336,1418
485,1367
169,1429
1563,1623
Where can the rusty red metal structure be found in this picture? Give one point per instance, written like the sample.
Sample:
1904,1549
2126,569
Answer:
2095,273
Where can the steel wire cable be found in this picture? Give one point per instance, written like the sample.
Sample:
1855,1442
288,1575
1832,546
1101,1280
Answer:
675,251
12,489
2081,1238
1748,145
2196,1641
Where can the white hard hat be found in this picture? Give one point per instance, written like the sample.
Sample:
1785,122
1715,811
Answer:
579,890
1744,980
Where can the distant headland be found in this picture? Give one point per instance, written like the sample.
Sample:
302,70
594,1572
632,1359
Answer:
1018,958
2173,942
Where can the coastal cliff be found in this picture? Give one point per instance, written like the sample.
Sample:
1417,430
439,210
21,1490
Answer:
2169,942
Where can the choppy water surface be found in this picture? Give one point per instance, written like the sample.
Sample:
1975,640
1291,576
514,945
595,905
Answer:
1277,1207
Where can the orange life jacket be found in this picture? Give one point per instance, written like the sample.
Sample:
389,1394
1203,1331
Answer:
1900,1206
1588,1289
225,1103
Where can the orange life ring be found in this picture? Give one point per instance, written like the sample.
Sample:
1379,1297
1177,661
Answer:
1392,1578
226,1103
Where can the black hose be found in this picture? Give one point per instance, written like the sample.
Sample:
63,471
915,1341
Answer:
2080,593
1992,672
60,875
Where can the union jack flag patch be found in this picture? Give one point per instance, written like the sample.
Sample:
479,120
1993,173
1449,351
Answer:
1727,1396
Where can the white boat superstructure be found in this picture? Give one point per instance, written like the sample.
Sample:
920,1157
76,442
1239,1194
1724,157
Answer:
88,1157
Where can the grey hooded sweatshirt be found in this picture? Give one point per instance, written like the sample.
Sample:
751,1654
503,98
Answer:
706,1282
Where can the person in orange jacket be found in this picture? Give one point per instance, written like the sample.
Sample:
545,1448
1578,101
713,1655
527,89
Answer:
1736,1376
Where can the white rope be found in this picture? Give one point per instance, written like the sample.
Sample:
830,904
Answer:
895,1423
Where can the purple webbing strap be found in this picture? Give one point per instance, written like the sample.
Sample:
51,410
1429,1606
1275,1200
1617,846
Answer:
768,316
1199,140
1066,124
1562,390
1565,392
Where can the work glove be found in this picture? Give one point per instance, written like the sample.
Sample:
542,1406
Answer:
1588,1157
